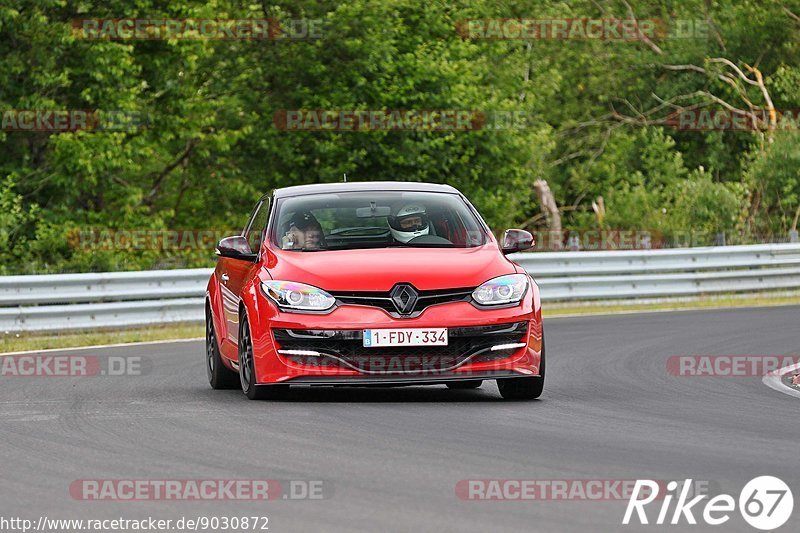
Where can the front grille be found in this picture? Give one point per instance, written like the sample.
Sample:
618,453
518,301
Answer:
392,303
345,349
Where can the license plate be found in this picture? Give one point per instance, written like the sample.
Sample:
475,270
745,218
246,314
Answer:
375,338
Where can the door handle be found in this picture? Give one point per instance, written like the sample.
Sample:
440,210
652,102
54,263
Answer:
225,278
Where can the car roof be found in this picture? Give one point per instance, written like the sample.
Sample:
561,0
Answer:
356,186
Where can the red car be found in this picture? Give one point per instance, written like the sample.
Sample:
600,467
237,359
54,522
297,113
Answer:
372,283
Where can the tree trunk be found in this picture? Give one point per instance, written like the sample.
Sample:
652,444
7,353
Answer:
550,209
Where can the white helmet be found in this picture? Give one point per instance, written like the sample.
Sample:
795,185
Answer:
409,222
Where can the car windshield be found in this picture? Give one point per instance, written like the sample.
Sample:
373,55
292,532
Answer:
349,220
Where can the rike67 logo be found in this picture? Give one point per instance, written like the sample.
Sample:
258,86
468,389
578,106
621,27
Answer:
766,503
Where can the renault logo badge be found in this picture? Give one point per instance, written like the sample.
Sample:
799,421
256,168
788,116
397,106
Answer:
404,297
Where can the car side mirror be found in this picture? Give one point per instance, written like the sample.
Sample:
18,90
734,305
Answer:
516,240
236,247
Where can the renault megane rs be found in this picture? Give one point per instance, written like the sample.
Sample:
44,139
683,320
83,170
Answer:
372,283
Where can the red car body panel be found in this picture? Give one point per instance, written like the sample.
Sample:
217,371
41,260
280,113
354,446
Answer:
365,270
380,269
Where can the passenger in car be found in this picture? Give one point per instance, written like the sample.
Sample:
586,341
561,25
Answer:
304,233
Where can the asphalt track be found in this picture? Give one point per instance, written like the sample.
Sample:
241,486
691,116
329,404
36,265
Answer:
390,459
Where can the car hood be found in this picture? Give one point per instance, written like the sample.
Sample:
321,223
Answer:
380,269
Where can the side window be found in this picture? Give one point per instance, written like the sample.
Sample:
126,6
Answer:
258,222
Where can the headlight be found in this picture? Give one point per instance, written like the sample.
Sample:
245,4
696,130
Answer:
501,290
297,296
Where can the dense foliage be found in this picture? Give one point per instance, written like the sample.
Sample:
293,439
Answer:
204,145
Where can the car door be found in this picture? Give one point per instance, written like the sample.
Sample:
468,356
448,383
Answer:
234,273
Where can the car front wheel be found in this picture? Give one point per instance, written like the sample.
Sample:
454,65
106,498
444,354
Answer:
247,370
527,388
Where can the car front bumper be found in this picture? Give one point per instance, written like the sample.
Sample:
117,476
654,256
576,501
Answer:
327,349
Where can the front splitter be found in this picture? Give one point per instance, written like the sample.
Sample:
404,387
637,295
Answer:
395,381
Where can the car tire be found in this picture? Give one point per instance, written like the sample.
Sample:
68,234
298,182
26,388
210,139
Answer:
469,384
527,388
219,376
247,370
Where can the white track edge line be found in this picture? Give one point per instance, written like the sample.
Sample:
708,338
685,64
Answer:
773,380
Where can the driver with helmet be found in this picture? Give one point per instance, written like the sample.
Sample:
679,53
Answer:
409,222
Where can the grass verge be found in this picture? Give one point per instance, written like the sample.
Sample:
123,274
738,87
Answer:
556,309
29,341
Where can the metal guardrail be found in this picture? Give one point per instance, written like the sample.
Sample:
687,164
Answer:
663,273
123,299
